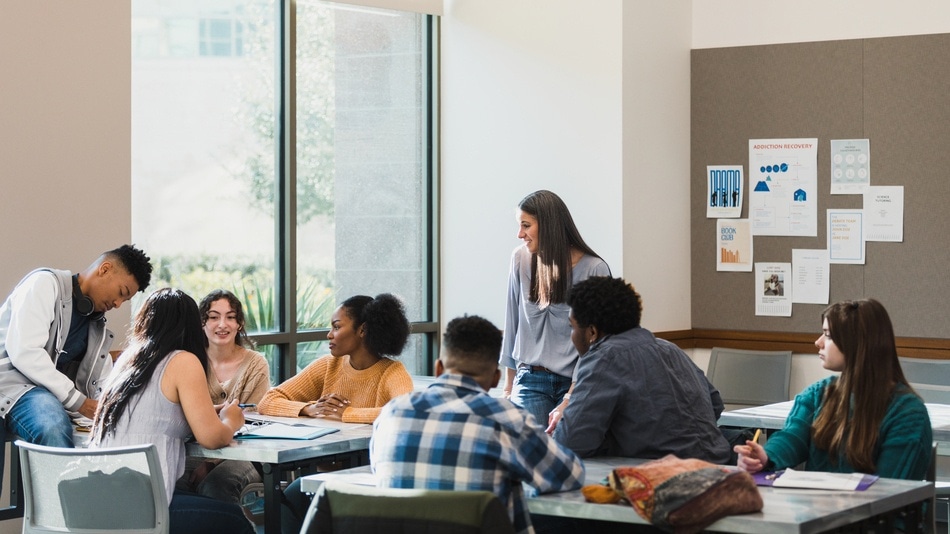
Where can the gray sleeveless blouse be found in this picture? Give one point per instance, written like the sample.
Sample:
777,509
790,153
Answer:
152,418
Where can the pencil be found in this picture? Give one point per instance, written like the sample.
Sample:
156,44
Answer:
758,432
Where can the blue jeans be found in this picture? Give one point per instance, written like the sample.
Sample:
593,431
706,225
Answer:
539,392
189,513
38,417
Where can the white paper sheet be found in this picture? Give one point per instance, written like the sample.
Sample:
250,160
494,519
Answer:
783,186
846,236
818,480
850,166
884,213
773,294
810,280
734,245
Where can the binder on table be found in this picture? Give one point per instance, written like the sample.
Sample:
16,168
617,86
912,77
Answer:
268,430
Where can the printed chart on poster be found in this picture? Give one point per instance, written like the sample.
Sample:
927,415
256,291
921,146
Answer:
783,186
734,242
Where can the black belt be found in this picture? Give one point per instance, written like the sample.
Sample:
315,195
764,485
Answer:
536,368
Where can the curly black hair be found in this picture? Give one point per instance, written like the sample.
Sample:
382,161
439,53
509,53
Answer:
135,261
473,337
384,322
610,304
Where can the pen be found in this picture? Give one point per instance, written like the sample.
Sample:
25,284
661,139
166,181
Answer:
758,432
255,406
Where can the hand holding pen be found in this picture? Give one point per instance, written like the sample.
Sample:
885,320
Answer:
752,456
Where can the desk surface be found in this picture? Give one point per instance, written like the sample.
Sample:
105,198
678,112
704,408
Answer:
784,510
772,416
351,437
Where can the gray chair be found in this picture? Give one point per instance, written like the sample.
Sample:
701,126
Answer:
343,508
750,377
117,489
929,378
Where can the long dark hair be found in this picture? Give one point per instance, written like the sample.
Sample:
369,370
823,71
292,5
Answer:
551,267
862,331
167,322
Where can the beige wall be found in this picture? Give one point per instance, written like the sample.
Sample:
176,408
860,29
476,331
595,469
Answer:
718,23
64,135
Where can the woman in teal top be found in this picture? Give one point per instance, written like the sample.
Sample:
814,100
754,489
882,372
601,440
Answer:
866,420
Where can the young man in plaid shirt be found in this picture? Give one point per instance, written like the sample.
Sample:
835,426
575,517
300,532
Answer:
454,436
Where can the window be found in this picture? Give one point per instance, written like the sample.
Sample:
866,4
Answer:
294,178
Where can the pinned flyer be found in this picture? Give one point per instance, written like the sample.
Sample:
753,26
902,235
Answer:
734,245
846,236
850,166
884,213
773,292
724,187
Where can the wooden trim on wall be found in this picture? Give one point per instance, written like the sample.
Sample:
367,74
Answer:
908,347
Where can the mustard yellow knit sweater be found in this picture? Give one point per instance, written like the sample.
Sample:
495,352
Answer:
367,390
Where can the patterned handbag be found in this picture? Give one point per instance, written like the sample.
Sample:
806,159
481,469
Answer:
688,495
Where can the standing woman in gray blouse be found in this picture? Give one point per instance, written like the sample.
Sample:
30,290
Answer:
537,351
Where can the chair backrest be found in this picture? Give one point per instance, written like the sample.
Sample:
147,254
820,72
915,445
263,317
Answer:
751,377
929,378
117,489
342,508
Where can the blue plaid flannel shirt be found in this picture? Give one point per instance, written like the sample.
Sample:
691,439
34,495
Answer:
454,436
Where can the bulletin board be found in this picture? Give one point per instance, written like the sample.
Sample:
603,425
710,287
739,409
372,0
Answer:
893,91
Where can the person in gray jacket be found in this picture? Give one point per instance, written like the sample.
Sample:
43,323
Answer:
54,345
635,395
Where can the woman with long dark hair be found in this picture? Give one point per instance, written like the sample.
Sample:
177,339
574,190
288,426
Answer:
157,393
236,372
537,352
866,420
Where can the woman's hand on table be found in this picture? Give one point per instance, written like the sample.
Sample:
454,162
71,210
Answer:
329,406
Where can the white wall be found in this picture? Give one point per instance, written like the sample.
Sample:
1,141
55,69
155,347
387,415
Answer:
588,99
722,23
64,136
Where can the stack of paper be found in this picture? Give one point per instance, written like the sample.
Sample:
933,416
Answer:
820,480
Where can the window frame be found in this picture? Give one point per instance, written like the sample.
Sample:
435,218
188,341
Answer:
288,336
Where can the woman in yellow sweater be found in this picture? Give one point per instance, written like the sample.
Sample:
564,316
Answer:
357,378
351,384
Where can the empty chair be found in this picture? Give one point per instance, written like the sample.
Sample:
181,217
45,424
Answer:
342,508
751,377
93,490
929,378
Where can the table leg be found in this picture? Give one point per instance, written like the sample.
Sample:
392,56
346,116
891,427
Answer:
16,507
272,494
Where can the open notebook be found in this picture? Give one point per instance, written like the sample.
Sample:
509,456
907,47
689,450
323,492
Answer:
269,430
